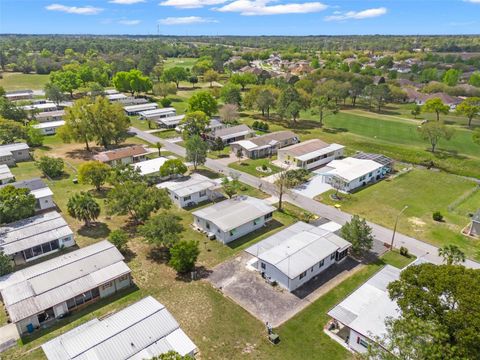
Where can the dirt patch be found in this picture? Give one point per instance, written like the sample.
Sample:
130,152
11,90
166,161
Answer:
417,223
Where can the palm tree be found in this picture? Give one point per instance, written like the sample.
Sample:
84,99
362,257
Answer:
82,206
451,254
158,145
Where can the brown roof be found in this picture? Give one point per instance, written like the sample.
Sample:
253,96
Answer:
306,147
276,136
121,153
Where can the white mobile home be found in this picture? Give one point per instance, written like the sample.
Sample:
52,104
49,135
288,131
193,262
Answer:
191,190
231,134
137,109
29,239
310,154
49,127
12,153
233,218
41,107
38,295
43,194
6,175
265,145
19,95
151,166
49,116
140,331
295,255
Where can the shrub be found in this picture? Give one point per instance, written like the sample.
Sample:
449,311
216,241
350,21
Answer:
404,251
52,167
264,167
266,127
166,102
437,216
184,254
255,124
119,238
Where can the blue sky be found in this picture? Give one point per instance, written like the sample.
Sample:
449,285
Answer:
240,17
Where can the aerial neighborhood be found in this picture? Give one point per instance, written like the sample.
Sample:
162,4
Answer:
186,197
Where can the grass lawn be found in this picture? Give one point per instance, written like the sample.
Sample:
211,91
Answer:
395,259
250,166
425,192
182,62
166,133
219,154
19,81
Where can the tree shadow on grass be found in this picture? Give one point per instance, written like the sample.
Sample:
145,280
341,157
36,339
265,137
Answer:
97,230
128,254
201,272
443,154
83,153
160,255
335,130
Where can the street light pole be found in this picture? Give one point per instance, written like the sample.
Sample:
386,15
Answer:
395,227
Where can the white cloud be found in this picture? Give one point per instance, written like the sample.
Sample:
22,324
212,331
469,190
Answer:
83,10
126,2
129,22
185,20
473,1
262,7
191,4
357,15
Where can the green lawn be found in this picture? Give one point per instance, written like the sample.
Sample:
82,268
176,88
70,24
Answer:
166,133
425,192
250,166
182,62
395,259
19,81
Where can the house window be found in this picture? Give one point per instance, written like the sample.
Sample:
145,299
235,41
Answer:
232,232
95,293
186,198
107,285
362,342
37,250
332,257
256,221
202,193
207,225
28,253
302,275
321,263
54,244
123,278
70,304
263,266
268,216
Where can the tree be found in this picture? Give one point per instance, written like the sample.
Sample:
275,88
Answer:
34,135
53,92
229,113
132,81
230,186
196,150
359,234
203,101
447,298
66,81
175,74
137,200
231,94
163,229
10,111
78,123
290,103
323,107
217,145
158,69
417,109
381,94
173,167
451,77
470,108
194,123
434,132
451,254
164,89
266,99
10,131
122,173
93,173
6,265
475,79
184,255
119,238
435,105
82,206
159,146
243,79
50,166
211,76
172,355
285,181
16,204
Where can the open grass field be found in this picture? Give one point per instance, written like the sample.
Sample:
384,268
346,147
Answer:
251,166
424,191
182,62
395,259
19,81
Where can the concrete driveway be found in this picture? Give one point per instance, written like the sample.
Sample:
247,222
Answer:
240,282
313,187
8,336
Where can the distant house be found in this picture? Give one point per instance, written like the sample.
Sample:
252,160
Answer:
151,166
50,127
165,117
191,190
265,145
19,95
41,107
351,173
42,193
38,295
110,91
359,320
49,116
449,100
143,330
125,155
12,153
215,124
6,175
137,109
310,154
233,218
475,226
297,254
117,97
231,134
29,239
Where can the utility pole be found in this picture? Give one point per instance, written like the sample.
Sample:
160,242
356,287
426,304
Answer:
395,227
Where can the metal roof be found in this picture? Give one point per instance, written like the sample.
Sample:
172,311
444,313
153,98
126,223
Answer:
36,186
156,112
232,131
141,107
367,308
351,168
47,114
27,233
139,331
5,173
320,152
49,124
171,120
150,166
188,185
120,153
379,158
305,147
232,213
32,290
14,147
297,248
266,140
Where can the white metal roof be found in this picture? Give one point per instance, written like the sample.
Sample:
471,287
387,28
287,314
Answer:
320,152
351,168
188,185
110,91
231,213
27,233
246,144
171,120
36,186
150,166
156,112
5,172
232,132
49,124
14,147
140,331
116,96
47,114
367,308
297,248
41,106
54,281
141,107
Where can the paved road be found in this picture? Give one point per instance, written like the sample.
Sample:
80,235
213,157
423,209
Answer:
416,247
